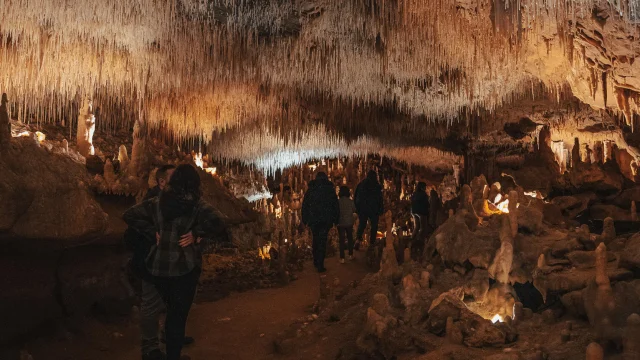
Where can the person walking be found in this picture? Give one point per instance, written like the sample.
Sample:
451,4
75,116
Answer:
320,211
345,226
173,221
420,212
369,205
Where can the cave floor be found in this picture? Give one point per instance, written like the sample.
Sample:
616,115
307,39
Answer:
241,326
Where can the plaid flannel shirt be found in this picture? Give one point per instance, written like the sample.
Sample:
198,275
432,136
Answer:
167,258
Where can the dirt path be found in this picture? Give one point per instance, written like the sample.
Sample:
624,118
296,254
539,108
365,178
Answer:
241,326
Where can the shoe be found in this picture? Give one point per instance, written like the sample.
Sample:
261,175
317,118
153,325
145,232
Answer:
188,340
341,261
322,270
351,258
154,355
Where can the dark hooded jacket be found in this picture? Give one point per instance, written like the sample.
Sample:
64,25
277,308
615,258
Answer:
320,204
368,196
420,203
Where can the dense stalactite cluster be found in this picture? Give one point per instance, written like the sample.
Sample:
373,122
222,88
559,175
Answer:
181,63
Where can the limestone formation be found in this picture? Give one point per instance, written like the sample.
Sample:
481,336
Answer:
123,157
594,352
502,262
86,128
513,213
608,230
109,173
603,305
389,262
5,124
631,345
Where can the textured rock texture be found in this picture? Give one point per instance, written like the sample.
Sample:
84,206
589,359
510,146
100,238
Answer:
45,195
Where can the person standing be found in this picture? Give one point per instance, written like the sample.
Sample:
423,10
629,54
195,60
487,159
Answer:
369,205
173,220
345,226
320,211
151,303
420,212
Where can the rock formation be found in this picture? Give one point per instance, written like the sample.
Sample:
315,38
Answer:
86,128
5,125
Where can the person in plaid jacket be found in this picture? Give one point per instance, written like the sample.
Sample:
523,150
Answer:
173,220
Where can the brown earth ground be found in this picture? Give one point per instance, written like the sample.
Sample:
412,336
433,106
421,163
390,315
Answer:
241,326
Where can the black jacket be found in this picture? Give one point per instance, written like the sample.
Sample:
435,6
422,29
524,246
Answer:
368,198
420,203
320,204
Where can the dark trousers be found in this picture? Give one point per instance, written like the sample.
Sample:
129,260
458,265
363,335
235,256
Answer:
178,293
373,220
420,231
345,232
320,234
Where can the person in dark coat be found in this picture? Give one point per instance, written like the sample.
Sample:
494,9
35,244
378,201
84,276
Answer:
151,303
320,211
420,212
172,221
369,205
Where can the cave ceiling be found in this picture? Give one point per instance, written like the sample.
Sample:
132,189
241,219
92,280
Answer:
412,72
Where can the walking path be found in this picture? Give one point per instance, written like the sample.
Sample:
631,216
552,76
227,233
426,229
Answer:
241,326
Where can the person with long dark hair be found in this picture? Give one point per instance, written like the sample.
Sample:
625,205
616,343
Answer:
173,220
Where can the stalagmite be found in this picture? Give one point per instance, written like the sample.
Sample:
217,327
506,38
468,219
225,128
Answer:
631,339
86,128
608,230
123,157
5,124
137,162
389,262
109,174
513,212
594,352
603,302
503,260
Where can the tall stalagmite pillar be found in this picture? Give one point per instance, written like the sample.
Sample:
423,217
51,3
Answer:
138,153
5,125
86,128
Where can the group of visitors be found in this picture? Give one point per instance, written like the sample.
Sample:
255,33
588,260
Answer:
165,233
322,209
166,230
